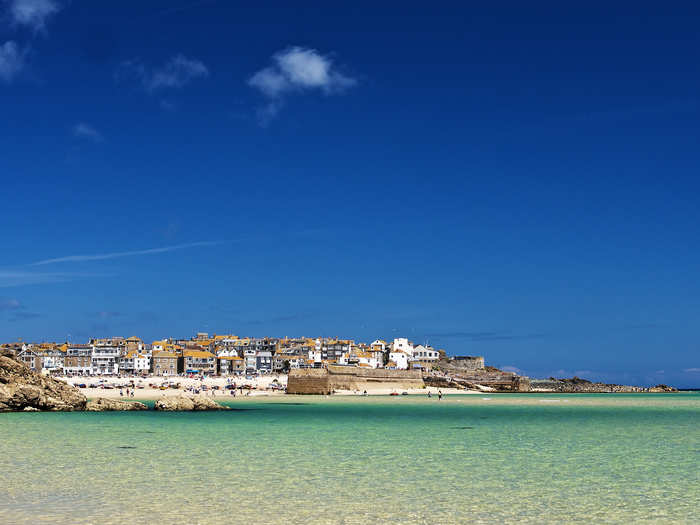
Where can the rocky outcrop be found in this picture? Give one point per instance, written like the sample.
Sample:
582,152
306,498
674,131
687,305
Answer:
662,388
577,385
102,404
187,404
447,382
22,388
487,378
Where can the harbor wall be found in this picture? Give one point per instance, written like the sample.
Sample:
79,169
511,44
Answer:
334,377
467,362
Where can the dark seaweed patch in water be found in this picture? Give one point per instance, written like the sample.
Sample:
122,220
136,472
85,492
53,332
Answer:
149,432
125,446
463,428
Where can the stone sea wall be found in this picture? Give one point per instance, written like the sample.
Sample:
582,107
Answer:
325,381
308,381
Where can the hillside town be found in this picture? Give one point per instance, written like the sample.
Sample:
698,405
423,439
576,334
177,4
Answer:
217,355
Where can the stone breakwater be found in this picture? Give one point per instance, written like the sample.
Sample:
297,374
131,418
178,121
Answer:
333,378
577,385
24,389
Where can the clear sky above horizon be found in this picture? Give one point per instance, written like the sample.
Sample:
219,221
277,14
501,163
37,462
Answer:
509,180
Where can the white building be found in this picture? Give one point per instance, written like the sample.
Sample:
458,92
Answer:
250,356
402,344
423,357
105,359
227,353
135,363
316,355
368,359
379,345
425,353
399,358
52,361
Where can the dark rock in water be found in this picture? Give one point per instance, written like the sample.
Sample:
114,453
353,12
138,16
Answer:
463,428
662,388
187,404
102,404
126,446
21,388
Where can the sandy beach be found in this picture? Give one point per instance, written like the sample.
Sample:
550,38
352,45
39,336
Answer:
149,388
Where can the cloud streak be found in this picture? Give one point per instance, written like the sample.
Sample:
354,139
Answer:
86,131
24,316
485,336
12,60
117,255
33,14
9,304
296,70
177,72
11,278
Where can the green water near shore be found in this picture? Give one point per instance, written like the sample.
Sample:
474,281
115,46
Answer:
467,459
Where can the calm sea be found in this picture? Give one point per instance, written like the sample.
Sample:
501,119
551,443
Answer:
466,459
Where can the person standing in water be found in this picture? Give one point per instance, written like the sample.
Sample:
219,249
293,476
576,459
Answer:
439,395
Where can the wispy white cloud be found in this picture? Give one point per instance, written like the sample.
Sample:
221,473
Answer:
116,255
510,368
86,131
297,69
11,278
167,105
177,72
7,303
33,13
691,370
12,60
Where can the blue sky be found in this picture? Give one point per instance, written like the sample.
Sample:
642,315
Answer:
515,181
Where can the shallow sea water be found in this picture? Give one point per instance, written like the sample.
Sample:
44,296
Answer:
594,458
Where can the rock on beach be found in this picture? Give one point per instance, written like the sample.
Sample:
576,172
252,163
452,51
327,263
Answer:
102,404
21,388
187,404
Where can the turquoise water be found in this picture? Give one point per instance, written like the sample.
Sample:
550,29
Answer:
466,459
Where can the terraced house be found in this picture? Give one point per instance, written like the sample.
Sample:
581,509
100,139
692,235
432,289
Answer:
135,363
164,363
231,365
105,358
197,362
78,360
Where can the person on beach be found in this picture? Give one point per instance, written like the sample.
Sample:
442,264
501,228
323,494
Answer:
439,395
121,394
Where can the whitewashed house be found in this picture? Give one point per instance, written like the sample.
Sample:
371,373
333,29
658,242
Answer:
402,344
399,358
